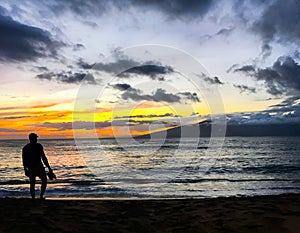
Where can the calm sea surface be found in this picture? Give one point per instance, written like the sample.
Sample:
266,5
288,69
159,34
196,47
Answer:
172,168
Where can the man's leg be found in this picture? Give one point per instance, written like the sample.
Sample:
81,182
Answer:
32,186
43,177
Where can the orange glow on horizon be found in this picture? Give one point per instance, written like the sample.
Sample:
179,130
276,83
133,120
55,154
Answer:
54,119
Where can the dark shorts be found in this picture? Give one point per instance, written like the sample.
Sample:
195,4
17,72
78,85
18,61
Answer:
34,172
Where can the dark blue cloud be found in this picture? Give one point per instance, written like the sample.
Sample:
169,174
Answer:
153,71
179,9
283,77
20,42
122,86
280,19
158,96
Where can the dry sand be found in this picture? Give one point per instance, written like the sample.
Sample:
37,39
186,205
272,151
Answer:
236,214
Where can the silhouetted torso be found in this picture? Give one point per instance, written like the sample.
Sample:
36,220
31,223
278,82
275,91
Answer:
33,154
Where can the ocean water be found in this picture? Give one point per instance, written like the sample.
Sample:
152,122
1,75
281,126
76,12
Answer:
173,168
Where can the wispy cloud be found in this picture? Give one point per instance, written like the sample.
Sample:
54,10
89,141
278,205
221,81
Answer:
11,130
166,115
16,117
213,80
244,88
191,96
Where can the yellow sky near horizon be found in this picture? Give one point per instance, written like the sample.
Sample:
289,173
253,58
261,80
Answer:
54,120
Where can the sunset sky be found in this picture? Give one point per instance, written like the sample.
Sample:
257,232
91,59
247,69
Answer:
50,50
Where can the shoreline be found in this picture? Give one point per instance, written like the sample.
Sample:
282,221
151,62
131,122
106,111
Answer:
145,198
275,213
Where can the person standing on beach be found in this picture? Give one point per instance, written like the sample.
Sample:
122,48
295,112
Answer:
34,160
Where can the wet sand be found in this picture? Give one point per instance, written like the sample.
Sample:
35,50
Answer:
235,214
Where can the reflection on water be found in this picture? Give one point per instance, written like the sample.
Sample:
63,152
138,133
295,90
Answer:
246,166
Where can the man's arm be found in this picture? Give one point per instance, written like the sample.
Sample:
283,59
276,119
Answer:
25,163
44,158
23,158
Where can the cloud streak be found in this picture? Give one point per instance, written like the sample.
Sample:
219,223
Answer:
244,88
160,95
67,77
153,71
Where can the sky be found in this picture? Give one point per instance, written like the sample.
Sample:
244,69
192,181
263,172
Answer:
53,51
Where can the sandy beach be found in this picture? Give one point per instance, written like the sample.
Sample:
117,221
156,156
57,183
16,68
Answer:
235,214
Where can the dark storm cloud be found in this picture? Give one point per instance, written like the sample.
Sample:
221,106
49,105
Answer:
176,8
67,77
277,22
181,9
280,20
244,88
214,80
153,71
20,42
282,77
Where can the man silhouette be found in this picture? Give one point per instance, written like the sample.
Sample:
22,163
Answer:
34,160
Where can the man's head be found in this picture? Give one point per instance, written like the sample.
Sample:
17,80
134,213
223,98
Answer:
33,137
